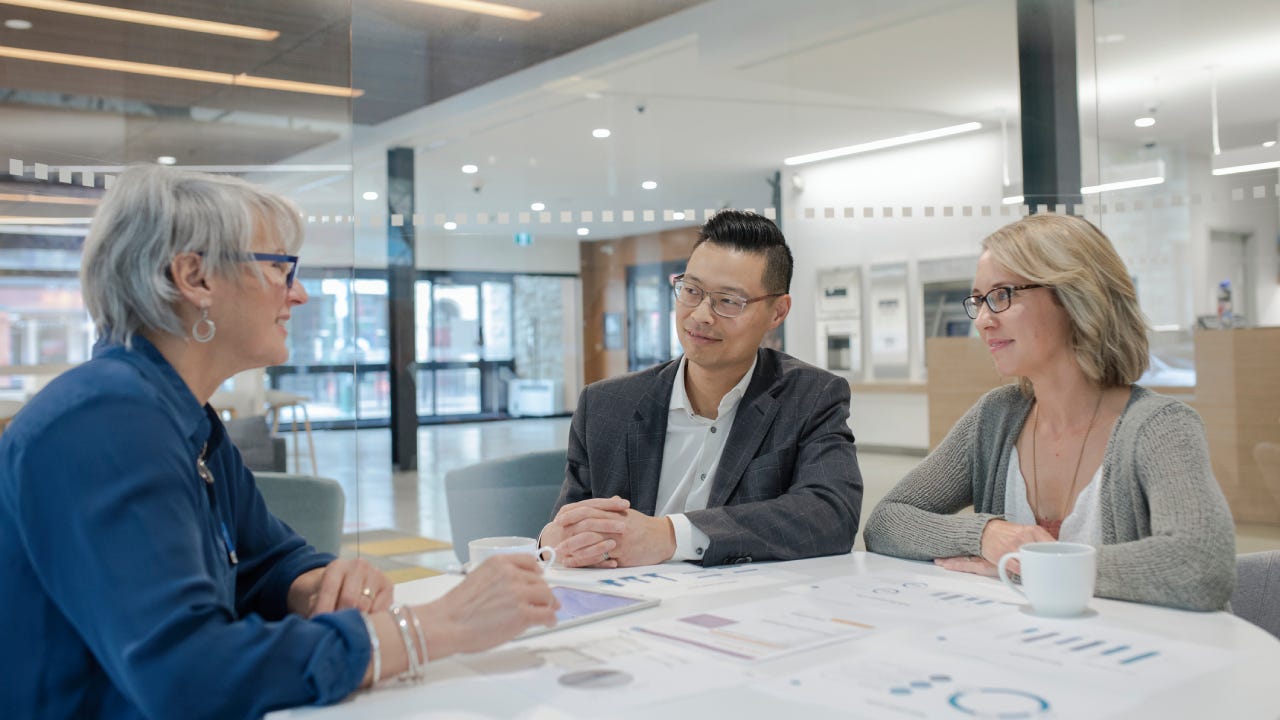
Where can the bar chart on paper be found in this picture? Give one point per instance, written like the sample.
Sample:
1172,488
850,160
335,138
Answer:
675,579
763,629
1086,652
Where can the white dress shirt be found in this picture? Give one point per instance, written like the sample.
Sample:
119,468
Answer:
1082,525
690,456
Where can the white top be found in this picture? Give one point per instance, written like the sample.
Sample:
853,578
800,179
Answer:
1082,525
690,456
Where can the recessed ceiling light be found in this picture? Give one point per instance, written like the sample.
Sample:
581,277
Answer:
167,160
1144,122
451,225
538,207
601,133
470,169
594,95
583,232
370,195
18,24
677,215
649,185
1269,143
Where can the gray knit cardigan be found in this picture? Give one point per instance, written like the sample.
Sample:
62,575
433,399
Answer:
1167,534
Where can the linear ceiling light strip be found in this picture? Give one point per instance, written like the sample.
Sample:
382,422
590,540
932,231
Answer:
139,17
178,73
882,144
485,8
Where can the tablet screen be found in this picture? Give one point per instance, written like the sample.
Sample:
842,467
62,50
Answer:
579,605
576,602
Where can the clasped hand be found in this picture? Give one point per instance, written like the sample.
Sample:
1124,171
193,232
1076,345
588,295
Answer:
607,533
999,538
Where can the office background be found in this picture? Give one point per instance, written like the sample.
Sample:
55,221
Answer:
497,194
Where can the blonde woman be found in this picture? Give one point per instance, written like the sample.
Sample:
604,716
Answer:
1075,451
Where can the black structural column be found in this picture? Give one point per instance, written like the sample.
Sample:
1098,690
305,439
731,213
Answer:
1050,113
401,272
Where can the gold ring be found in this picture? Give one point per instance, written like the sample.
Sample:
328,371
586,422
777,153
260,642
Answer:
367,592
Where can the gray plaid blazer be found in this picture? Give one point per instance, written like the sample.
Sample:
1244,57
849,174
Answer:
787,485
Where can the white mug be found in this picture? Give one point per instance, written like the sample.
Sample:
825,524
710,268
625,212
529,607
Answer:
482,549
1057,577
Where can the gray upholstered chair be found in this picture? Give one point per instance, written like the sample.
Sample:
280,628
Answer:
1257,595
507,496
312,506
260,449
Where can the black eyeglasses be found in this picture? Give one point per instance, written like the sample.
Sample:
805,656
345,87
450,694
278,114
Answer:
726,305
997,299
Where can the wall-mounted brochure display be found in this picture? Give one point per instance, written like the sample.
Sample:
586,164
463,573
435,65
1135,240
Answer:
839,320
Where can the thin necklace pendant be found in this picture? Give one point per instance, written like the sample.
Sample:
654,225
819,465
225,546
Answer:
1041,518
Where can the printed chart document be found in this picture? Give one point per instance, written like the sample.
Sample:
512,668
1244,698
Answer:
674,579
625,669
907,599
1014,666
763,629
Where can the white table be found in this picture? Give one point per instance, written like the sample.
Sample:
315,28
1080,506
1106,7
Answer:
1233,672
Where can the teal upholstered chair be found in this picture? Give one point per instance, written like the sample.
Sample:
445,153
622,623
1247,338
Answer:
1257,595
312,506
507,496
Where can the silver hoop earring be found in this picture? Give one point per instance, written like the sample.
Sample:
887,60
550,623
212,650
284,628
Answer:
204,329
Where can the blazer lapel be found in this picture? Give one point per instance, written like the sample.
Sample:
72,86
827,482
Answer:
755,416
646,439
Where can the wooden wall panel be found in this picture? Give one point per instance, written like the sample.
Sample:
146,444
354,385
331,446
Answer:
960,372
604,289
1238,397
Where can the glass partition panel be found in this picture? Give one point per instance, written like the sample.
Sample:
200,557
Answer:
1181,148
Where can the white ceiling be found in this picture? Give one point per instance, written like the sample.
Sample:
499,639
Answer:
731,87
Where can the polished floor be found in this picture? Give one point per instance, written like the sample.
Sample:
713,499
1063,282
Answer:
413,503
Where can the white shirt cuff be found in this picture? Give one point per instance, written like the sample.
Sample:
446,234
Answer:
691,543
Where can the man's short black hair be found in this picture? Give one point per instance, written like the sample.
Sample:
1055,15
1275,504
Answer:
752,233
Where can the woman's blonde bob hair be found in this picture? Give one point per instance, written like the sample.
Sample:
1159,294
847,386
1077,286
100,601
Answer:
1088,278
153,213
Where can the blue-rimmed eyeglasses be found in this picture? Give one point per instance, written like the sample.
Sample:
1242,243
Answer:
726,305
998,299
285,263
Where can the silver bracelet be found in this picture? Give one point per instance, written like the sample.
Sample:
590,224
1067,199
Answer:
375,648
422,639
402,621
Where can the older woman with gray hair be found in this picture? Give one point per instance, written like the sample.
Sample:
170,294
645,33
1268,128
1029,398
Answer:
143,575
1075,451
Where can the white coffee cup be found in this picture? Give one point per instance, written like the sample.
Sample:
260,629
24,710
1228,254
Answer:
482,549
1057,577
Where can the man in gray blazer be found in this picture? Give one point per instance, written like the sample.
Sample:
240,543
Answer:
729,454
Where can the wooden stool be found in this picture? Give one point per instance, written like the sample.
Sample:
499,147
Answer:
278,400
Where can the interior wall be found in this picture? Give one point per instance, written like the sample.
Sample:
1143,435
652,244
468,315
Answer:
604,289
958,179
